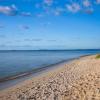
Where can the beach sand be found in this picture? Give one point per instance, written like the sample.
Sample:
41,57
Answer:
76,80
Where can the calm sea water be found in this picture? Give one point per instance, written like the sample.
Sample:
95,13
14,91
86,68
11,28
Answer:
15,62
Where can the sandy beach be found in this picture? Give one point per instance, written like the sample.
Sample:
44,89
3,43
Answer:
76,80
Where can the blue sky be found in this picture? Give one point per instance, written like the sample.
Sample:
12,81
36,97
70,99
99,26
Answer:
49,24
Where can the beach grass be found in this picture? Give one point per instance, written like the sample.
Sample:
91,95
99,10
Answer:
98,56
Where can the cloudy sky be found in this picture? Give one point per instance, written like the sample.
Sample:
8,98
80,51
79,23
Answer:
49,24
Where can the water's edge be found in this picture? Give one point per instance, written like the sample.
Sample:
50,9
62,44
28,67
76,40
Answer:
13,80
22,74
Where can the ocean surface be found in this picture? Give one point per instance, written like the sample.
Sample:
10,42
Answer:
17,62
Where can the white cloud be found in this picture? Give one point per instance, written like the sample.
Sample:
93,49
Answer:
8,10
40,15
74,7
25,27
48,2
58,11
47,8
25,14
52,40
35,39
86,3
98,1
89,11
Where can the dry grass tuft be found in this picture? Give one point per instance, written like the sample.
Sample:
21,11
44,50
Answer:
98,56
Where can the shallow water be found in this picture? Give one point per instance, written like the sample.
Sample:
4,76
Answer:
16,62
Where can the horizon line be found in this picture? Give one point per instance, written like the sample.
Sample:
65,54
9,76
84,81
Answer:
43,49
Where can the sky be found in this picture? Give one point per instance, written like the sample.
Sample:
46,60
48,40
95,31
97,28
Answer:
49,24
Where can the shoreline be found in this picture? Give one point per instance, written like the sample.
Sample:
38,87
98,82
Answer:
67,74
11,81
33,71
16,80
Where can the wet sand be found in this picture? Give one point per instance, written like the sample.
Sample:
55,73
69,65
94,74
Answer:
76,80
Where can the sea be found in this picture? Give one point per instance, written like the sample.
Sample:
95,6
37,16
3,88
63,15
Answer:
18,65
15,62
